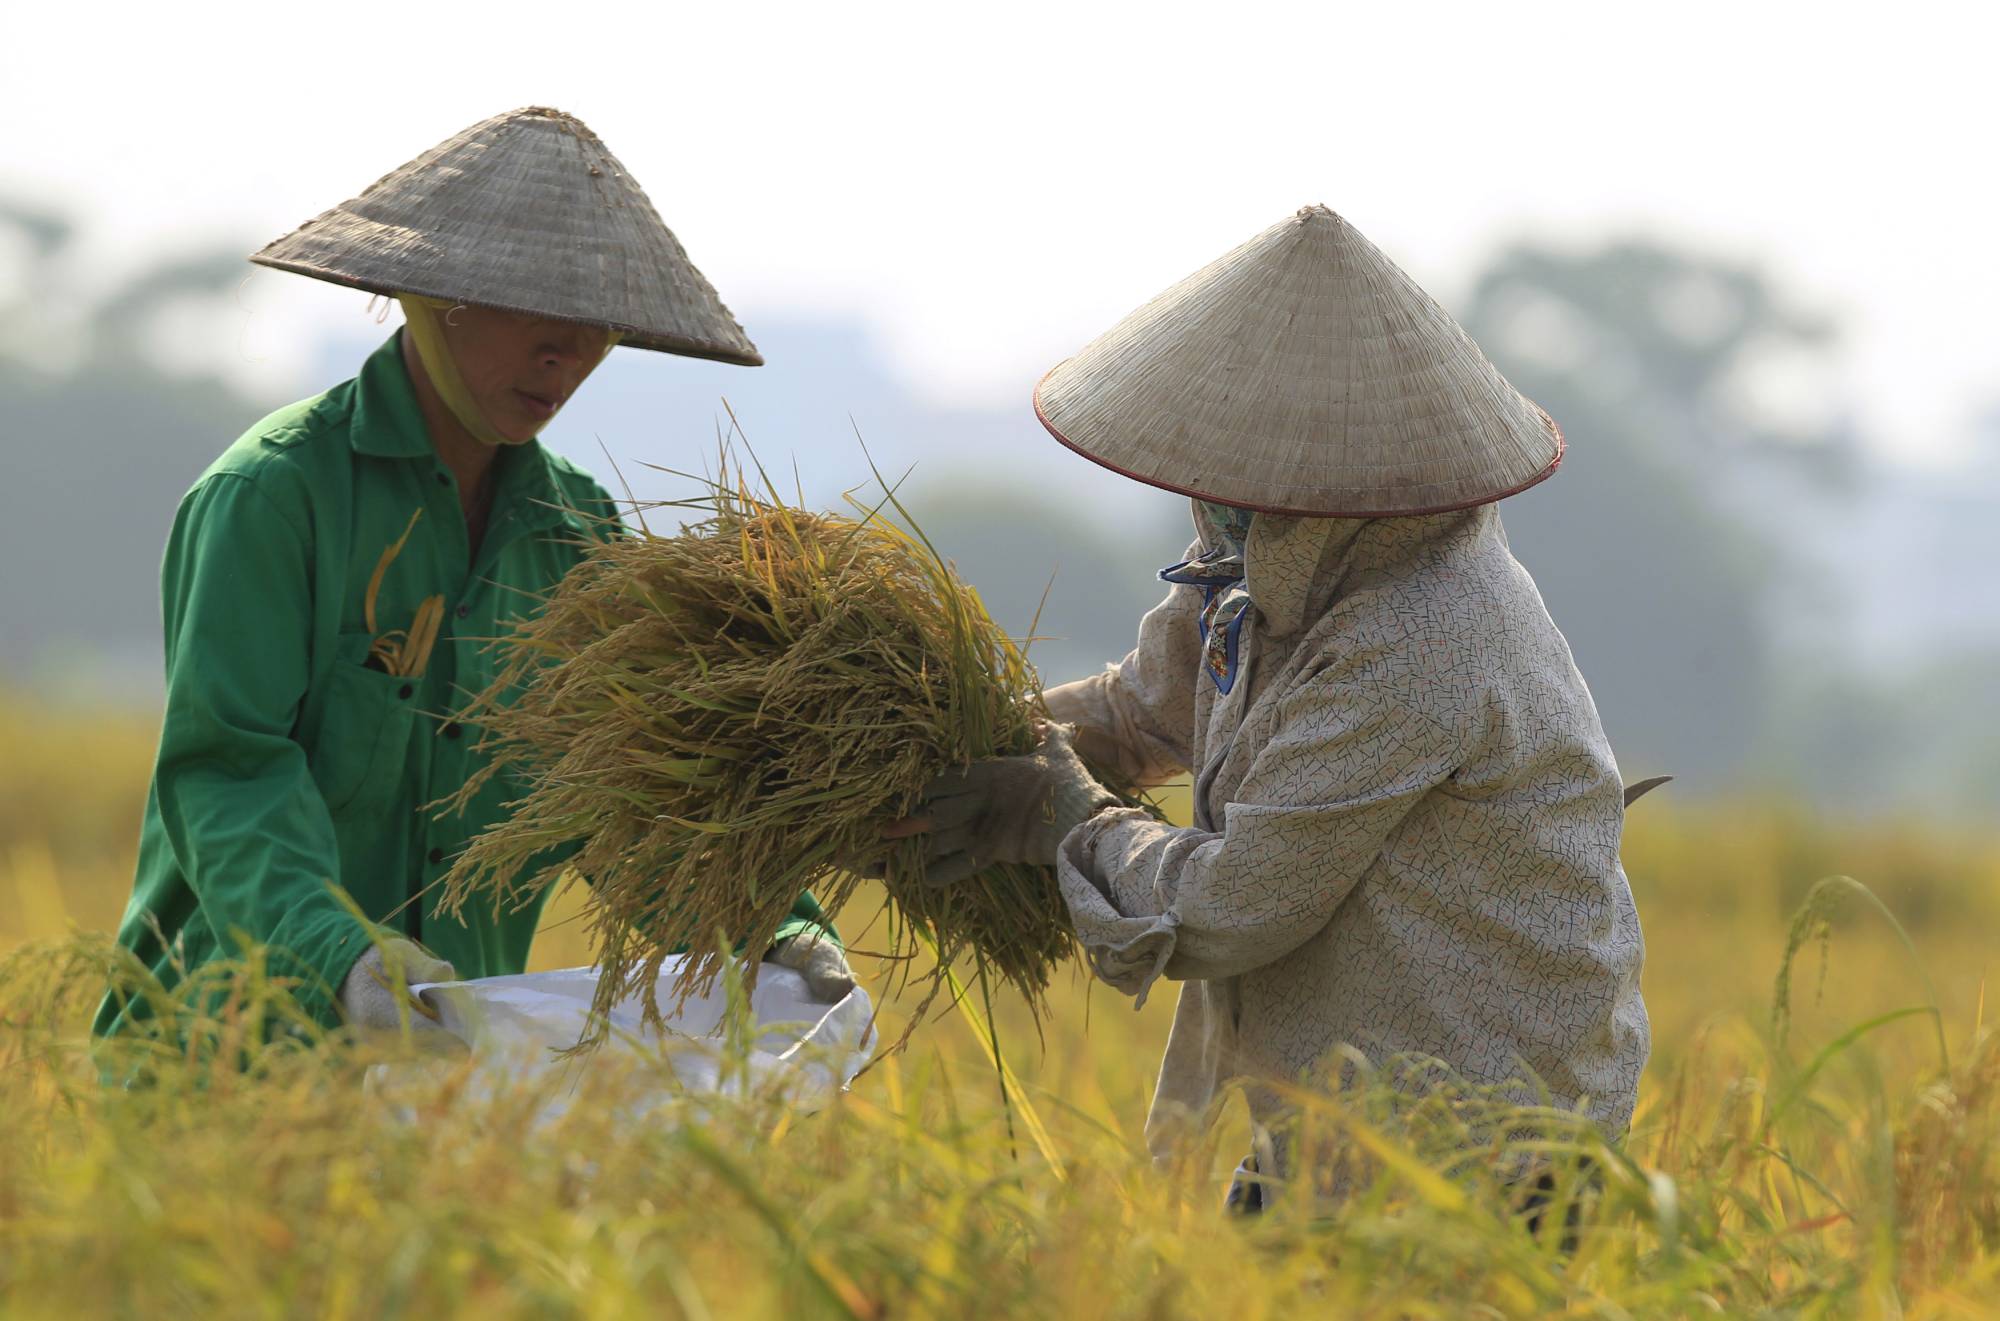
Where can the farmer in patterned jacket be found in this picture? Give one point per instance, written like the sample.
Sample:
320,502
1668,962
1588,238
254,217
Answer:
1406,816
331,580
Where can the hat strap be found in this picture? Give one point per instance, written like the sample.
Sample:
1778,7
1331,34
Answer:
424,317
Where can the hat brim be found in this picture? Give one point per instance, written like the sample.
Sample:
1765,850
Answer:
1167,485
630,336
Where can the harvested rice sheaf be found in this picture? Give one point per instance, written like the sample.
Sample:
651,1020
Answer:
721,718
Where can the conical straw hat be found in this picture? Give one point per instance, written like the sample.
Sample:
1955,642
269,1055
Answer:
1302,373
525,212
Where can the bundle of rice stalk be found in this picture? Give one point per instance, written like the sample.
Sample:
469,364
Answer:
721,718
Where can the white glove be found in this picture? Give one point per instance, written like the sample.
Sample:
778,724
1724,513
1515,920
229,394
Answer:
819,961
375,994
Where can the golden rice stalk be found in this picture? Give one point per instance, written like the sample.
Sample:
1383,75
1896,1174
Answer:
404,652
707,723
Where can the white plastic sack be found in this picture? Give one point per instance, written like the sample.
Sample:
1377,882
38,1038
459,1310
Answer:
516,1028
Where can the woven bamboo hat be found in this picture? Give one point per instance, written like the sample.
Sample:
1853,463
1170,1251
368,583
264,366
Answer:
1302,373
525,212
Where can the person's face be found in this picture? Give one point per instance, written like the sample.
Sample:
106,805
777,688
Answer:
521,369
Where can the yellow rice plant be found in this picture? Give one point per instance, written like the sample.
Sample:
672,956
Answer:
261,1174
1845,1170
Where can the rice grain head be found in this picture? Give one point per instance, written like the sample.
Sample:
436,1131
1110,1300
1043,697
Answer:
718,719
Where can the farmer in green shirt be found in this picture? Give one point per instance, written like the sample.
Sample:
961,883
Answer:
331,581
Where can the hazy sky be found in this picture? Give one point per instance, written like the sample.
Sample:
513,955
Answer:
989,186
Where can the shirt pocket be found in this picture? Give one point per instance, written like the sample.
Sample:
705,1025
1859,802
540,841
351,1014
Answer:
362,751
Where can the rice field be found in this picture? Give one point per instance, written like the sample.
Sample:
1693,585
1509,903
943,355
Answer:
1844,1169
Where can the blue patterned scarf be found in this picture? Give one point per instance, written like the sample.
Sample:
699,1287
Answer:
1225,595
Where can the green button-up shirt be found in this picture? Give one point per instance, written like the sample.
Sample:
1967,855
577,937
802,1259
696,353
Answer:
286,761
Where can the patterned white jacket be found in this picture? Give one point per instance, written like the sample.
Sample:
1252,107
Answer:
1406,827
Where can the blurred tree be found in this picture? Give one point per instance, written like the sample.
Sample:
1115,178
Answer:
1088,580
1661,547
98,447
35,239
1664,590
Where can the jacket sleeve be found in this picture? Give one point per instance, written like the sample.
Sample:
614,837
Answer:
1138,716
1352,756
242,812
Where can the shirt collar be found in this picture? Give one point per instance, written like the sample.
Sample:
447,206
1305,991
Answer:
387,422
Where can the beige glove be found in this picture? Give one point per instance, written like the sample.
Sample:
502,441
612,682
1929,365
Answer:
819,961
1009,809
375,994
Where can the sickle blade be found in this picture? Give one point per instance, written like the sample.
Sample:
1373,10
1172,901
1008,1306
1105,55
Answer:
1634,792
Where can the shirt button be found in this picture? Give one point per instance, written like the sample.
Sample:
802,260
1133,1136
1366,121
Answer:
452,730
436,856
444,479
463,609
407,691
